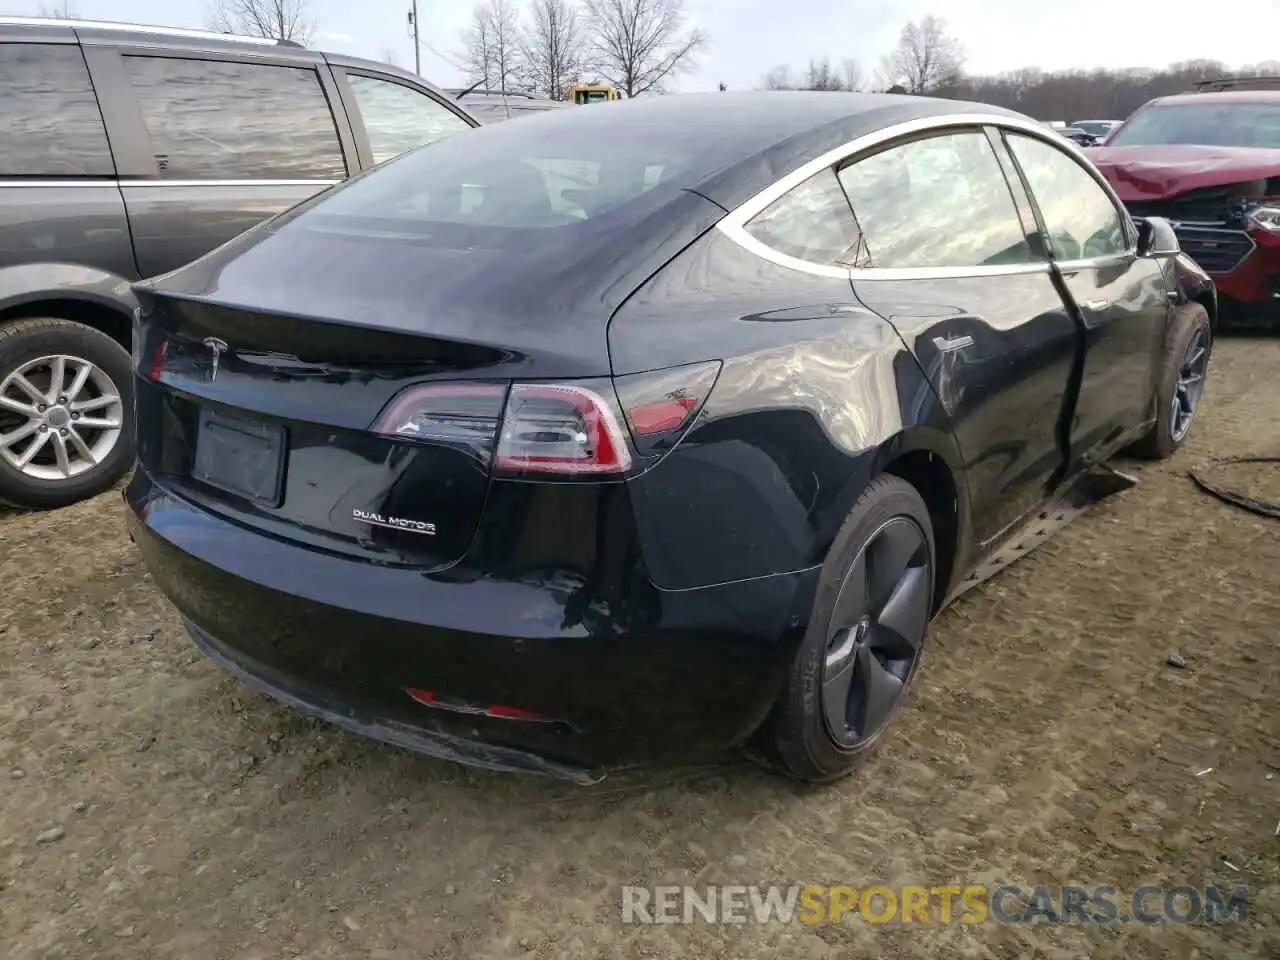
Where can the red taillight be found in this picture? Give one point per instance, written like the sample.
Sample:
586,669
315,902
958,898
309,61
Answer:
560,429
157,361
462,415
651,419
660,405
572,429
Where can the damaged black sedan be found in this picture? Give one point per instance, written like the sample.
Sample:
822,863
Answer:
626,435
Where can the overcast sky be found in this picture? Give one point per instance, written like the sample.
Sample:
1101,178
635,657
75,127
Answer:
750,36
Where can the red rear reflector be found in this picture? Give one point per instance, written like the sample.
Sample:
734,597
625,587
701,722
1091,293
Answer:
496,711
515,713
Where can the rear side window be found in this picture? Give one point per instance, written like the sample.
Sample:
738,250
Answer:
217,120
398,119
49,115
811,222
937,202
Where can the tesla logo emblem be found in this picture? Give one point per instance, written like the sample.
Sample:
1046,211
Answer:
219,347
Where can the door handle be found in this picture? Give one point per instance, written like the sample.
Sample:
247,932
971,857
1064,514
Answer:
946,344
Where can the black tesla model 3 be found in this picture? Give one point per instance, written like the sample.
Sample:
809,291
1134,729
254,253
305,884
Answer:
633,433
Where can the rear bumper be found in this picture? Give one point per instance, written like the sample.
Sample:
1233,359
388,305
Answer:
647,676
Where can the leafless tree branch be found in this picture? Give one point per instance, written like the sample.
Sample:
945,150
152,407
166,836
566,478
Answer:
493,51
641,45
281,19
553,48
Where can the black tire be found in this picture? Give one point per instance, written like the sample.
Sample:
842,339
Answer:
796,739
1160,443
25,340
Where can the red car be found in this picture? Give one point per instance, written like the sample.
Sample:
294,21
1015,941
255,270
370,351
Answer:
1209,162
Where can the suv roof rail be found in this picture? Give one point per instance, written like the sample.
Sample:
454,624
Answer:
145,28
1238,83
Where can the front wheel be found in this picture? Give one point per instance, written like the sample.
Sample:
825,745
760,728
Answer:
864,641
66,410
1180,383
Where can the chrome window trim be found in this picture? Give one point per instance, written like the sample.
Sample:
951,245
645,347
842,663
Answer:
123,182
733,224
229,183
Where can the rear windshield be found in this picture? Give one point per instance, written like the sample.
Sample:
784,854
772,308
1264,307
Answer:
515,179
1207,124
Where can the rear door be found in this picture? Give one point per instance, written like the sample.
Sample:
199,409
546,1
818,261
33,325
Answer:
952,261
1122,298
215,142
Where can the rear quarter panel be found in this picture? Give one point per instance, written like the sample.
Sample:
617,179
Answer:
816,394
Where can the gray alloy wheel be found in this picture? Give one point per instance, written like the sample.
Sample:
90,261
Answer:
63,417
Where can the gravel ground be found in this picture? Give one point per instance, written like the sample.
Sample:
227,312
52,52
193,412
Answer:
151,807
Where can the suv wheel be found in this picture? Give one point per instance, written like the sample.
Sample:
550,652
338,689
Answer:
66,411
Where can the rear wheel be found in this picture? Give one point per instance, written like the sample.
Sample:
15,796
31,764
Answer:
66,404
1180,384
864,641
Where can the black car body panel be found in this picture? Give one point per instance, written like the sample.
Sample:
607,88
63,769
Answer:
541,302
581,619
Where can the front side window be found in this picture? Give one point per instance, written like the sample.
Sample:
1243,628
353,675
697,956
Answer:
1079,217
49,114
1206,124
219,120
398,119
811,222
938,202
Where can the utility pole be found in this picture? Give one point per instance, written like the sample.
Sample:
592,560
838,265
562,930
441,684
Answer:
413,31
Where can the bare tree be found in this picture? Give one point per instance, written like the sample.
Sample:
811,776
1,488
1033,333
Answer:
854,78
780,78
389,57
819,75
493,53
553,48
927,58
640,45
61,10
281,19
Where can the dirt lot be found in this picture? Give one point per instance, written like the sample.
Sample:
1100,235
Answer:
1049,742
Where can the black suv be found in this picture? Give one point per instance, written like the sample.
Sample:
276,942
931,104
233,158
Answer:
127,152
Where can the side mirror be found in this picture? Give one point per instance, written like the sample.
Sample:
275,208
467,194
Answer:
1156,237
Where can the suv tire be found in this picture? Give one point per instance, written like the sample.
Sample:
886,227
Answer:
84,439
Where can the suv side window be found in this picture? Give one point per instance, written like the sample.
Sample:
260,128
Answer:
220,120
49,114
1079,217
810,222
941,201
398,118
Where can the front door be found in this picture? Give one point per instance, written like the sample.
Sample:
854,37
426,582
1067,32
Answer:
1121,297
